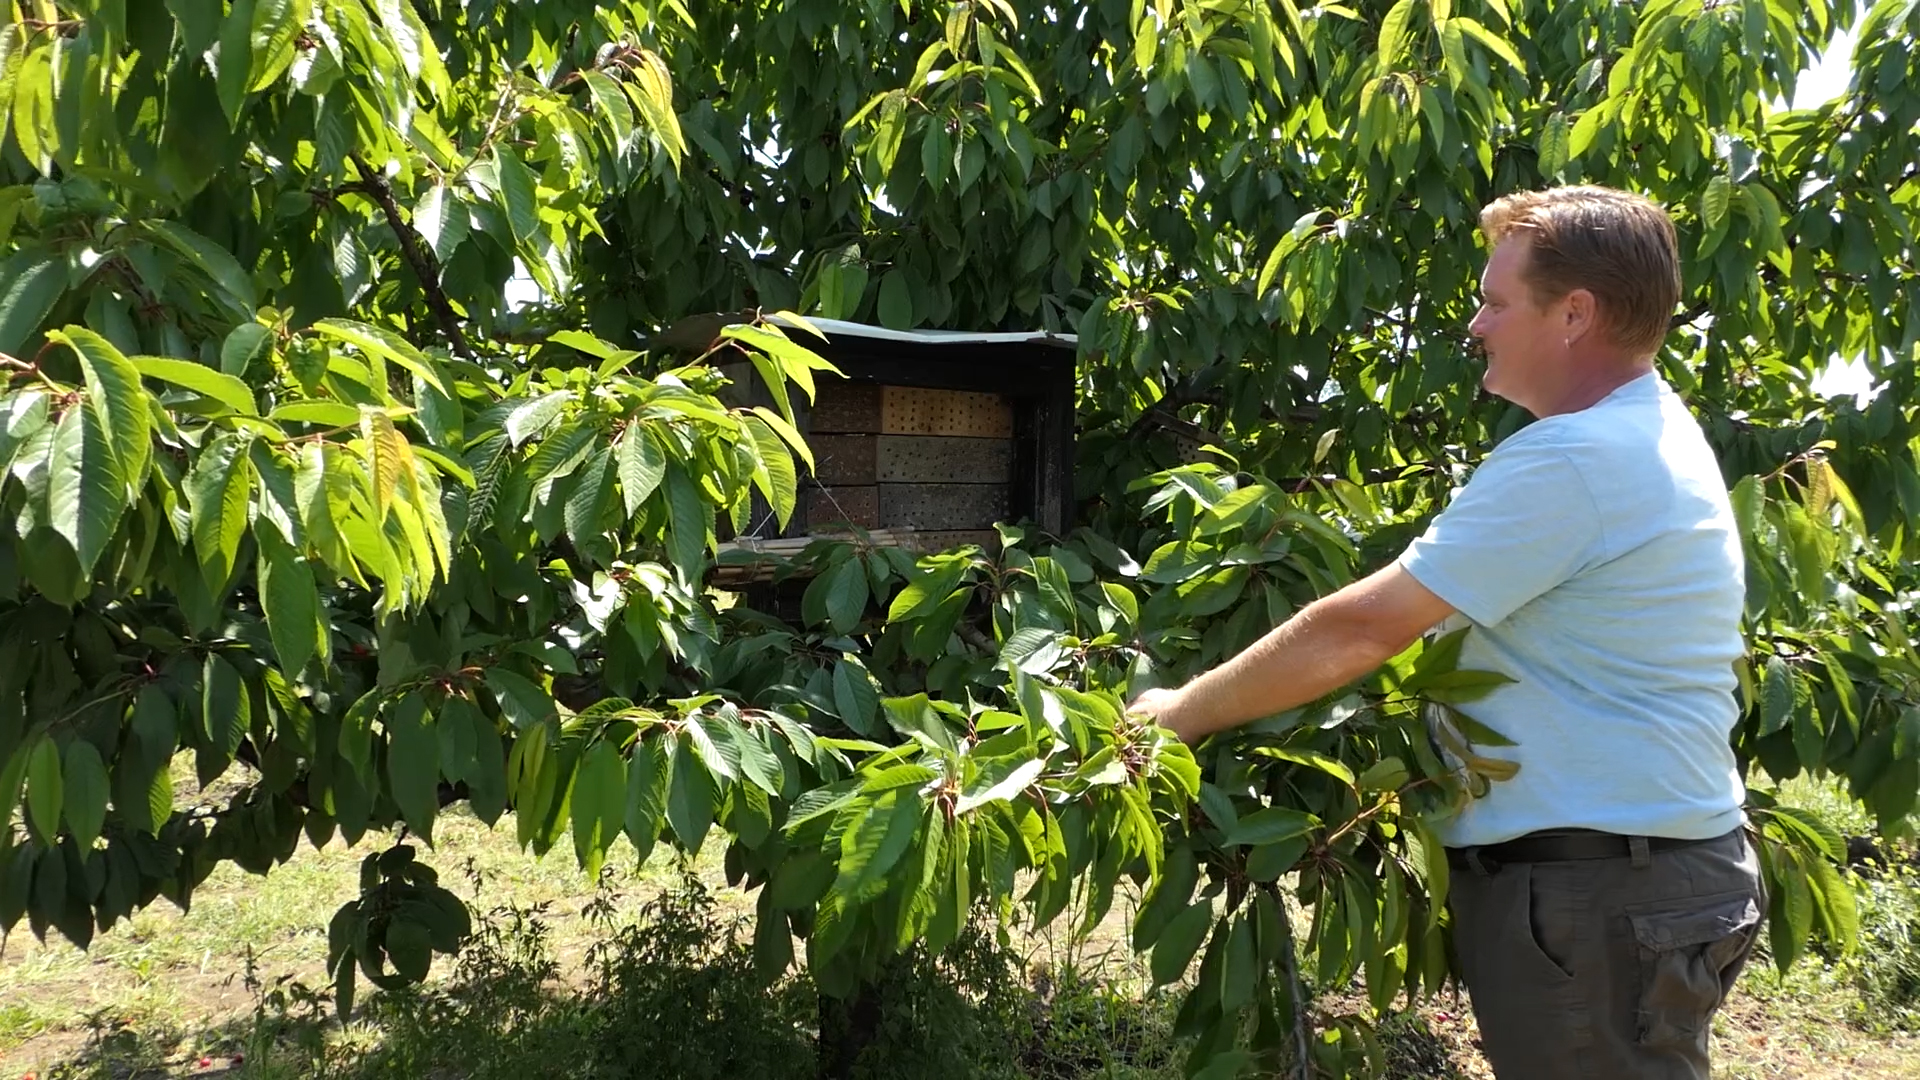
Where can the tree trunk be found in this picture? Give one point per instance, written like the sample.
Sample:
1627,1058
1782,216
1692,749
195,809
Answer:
847,1028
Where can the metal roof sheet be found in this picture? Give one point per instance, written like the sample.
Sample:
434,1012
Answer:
840,327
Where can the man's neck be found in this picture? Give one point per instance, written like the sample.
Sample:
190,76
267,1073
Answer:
1593,384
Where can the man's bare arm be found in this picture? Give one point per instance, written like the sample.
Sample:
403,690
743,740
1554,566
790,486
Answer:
1328,644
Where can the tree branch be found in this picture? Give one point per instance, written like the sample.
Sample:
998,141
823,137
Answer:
418,254
1296,485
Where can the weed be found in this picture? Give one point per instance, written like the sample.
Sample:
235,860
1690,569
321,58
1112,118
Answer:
1886,969
675,995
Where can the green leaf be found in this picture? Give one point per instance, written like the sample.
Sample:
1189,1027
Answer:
890,131
85,495
1715,200
651,92
534,416
896,301
586,509
846,595
776,477
1839,914
524,704
1776,696
235,60
690,797
1387,774
787,434
873,842
1177,944
379,343
1823,837
116,399
160,798
211,259
993,788
599,805
1271,825
1461,687
487,778
217,499
758,763
331,414
413,765
200,379
1171,891
1241,971
842,282
1268,861
1494,43
924,593
1393,34
143,784
277,24
646,791
45,794
84,791
31,283
691,521
410,946
13,780
772,943
854,697
441,220
1312,759
642,466
517,193
290,601
611,105
1792,915
1556,145
389,459
246,342
226,709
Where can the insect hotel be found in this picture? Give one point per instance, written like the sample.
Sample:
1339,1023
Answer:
930,438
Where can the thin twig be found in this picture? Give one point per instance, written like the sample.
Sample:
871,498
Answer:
1302,1035
419,256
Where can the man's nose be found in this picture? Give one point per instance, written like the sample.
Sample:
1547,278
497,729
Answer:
1473,326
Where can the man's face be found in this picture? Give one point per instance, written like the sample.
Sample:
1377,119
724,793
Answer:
1520,336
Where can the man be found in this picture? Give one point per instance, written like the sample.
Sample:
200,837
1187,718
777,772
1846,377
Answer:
1606,897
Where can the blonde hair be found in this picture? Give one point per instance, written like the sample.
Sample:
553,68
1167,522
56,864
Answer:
1617,245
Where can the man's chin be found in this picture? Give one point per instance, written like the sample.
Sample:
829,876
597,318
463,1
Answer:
1492,385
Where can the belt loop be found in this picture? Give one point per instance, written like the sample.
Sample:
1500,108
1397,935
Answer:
1474,861
1642,854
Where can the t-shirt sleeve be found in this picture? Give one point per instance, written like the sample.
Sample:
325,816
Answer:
1524,523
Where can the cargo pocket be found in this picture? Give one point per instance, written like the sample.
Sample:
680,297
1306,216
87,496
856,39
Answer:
1690,953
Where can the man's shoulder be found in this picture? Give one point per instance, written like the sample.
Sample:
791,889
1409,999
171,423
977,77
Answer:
1641,418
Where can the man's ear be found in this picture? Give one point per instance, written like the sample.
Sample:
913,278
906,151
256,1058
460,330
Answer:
1581,311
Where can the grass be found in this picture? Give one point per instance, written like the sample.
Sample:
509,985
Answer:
572,978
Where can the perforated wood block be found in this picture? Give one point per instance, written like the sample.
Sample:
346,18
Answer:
942,459
910,410
843,459
948,539
942,506
829,506
840,405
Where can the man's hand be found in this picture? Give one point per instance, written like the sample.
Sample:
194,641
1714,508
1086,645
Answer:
1163,707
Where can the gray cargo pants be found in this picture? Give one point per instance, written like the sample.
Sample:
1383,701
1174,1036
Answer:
1606,969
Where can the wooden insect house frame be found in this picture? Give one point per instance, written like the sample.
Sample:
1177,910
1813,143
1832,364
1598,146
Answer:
930,438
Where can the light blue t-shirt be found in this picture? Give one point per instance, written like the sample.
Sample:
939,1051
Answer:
1597,558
